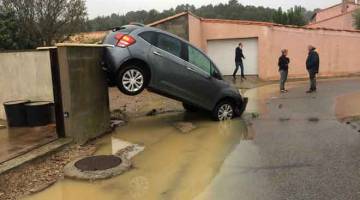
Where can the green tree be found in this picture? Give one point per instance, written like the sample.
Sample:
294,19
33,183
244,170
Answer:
357,19
294,16
230,10
7,30
43,22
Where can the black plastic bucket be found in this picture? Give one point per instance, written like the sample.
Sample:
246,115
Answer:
39,113
16,113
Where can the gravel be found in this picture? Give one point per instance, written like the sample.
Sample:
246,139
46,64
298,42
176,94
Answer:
40,174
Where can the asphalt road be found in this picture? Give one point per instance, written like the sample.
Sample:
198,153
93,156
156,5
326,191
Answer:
300,149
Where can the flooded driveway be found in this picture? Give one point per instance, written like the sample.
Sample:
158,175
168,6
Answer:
174,165
299,150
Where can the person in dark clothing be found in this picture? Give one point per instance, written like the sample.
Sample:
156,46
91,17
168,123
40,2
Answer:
283,69
312,66
239,56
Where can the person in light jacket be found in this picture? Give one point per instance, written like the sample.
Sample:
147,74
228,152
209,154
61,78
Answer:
283,69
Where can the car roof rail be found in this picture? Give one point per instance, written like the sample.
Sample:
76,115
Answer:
137,24
116,28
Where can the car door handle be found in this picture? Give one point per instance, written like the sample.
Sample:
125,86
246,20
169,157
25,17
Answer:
156,53
191,69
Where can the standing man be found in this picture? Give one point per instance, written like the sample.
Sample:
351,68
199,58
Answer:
283,69
312,66
239,62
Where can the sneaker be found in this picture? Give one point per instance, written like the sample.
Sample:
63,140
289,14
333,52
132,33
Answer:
310,91
283,91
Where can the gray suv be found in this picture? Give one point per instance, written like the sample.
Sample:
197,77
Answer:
144,57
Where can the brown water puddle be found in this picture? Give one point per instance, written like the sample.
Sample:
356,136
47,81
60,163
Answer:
173,165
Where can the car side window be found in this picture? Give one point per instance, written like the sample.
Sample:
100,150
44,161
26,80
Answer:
169,44
198,59
149,36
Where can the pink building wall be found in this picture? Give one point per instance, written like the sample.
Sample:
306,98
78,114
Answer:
344,22
334,11
336,48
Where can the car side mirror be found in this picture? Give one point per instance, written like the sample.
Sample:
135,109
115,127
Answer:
216,75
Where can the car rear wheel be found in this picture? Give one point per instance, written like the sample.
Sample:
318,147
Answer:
224,110
190,108
132,80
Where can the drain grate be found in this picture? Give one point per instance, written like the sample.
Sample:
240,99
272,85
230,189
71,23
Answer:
97,163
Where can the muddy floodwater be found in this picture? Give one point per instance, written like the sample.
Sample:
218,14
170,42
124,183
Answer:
174,165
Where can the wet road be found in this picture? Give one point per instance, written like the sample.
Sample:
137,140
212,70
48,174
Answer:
300,151
296,149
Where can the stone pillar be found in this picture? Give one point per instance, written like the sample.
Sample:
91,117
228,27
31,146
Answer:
84,91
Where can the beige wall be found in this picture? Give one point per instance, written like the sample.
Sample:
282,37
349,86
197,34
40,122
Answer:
336,48
344,22
25,75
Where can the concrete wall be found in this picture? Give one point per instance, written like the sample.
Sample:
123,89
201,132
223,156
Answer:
345,22
336,48
25,75
84,92
178,26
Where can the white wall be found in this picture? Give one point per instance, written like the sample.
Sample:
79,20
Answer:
222,52
25,75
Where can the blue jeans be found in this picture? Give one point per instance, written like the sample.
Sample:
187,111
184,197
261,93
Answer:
312,76
237,65
283,78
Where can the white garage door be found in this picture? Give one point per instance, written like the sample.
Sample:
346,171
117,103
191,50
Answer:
222,52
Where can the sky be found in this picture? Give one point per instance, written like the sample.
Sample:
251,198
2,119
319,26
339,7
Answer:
107,7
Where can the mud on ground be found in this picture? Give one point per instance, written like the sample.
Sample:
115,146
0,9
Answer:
142,104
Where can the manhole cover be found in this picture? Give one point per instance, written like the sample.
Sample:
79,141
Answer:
95,163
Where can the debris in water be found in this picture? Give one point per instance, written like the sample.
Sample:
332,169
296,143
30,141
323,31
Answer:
313,119
184,127
283,119
116,123
125,149
152,112
118,115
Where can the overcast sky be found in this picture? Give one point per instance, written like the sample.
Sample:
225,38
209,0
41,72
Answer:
106,7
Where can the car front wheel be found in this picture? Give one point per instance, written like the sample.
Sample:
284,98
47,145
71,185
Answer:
132,80
225,110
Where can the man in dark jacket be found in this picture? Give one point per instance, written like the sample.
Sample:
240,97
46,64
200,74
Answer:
283,69
312,66
239,62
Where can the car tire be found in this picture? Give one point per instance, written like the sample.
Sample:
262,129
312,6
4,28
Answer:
132,80
190,108
224,110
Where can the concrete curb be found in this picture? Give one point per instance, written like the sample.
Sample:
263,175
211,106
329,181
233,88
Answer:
34,154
